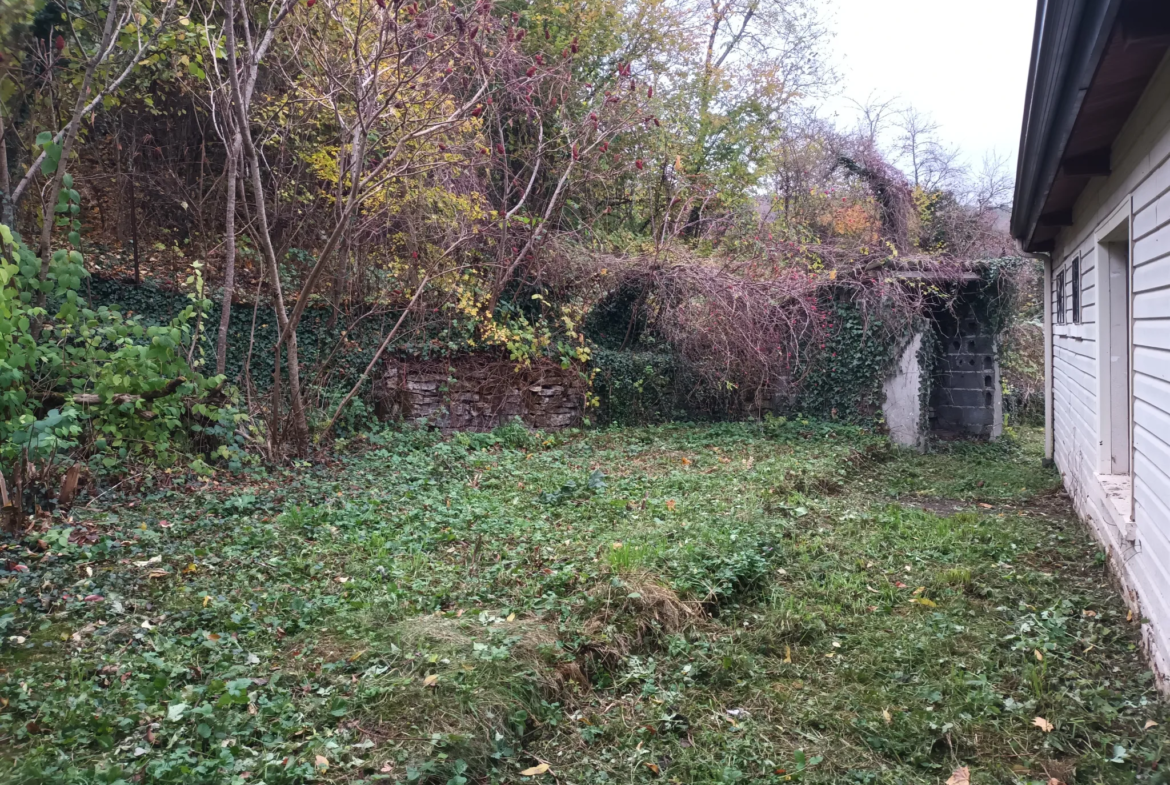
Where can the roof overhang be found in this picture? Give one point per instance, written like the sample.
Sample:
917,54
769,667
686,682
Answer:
1091,62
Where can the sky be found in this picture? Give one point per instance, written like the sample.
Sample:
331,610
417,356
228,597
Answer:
964,63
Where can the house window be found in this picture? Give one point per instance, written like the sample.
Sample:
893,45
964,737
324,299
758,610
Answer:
1060,312
1076,290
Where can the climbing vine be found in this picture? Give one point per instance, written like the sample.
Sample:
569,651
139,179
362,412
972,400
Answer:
843,380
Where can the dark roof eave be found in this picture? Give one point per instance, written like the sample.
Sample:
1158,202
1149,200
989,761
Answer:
1069,42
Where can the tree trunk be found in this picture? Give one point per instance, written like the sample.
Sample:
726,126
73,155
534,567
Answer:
134,208
229,253
300,426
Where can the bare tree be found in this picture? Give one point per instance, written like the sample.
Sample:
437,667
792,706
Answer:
930,164
993,183
874,116
227,126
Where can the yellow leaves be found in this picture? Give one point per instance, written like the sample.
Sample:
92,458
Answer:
1043,724
536,771
670,504
924,602
653,767
206,599
787,653
889,718
1038,655
321,762
1149,724
961,776
431,680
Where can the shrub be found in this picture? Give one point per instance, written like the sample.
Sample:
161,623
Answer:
79,384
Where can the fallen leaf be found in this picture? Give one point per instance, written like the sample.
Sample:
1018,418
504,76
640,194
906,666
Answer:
511,617
1089,614
918,591
148,562
985,506
321,762
925,602
889,718
670,504
431,681
787,654
94,598
960,777
1150,724
157,574
900,585
653,768
686,461
1042,724
1054,781
206,599
1129,616
535,771
1036,653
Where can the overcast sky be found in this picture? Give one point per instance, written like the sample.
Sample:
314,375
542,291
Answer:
965,63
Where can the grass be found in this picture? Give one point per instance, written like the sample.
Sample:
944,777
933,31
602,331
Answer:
728,603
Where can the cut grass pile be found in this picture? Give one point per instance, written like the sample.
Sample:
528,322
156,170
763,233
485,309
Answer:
729,603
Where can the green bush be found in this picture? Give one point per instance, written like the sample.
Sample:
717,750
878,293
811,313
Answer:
93,384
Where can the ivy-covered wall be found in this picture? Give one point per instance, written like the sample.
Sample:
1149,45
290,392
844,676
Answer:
317,334
845,375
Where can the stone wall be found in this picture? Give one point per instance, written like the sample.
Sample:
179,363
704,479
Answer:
473,393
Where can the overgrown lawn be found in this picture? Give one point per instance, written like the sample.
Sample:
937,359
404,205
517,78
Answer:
729,603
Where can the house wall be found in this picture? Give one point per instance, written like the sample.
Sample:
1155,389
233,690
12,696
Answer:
1136,197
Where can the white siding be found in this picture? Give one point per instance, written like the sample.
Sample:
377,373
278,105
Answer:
1139,551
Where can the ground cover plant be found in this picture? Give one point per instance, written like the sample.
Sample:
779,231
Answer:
750,602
